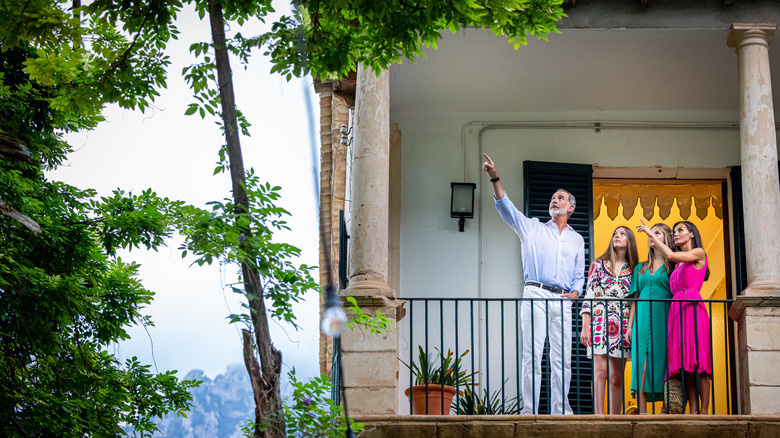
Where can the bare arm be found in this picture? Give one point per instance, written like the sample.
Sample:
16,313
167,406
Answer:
695,256
630,322
490,168
585,333
633,293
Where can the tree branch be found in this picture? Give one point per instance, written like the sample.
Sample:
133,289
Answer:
13,214
253,368
19,427
14,149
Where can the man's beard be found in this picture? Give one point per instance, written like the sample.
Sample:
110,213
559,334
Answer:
556,212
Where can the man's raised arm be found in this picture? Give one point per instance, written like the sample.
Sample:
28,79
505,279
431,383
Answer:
489,167
513,217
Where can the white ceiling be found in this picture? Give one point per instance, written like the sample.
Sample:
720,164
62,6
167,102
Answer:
576,71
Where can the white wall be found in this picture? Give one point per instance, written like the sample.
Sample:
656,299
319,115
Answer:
439,261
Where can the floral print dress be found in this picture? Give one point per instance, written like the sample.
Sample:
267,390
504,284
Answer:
609,319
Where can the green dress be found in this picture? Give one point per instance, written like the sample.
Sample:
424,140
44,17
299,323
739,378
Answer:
648,337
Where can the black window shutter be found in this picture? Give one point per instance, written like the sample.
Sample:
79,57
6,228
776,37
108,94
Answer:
540,181
739,228
740,264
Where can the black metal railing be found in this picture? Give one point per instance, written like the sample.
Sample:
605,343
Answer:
489,332
335,372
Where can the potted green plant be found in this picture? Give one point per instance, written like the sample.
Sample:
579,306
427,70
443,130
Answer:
471,403
435,380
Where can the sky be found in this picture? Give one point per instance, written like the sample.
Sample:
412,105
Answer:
176,155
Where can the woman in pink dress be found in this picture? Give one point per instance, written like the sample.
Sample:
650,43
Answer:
689,322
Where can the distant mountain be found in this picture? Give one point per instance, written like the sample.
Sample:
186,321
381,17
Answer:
220,407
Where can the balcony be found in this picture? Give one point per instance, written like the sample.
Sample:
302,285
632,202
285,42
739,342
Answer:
487,334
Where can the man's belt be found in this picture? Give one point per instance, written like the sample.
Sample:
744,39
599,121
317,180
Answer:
553,289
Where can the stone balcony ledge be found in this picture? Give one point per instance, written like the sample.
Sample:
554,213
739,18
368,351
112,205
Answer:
569,426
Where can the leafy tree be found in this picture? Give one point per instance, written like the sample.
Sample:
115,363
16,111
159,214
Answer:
312,413
112,51
108,51
327,38
64,295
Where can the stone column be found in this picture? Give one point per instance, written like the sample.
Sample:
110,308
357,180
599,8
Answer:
370,186
760,186
371,360
757,310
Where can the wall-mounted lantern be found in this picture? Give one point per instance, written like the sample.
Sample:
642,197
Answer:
462,202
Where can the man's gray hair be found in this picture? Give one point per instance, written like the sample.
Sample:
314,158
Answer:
572,199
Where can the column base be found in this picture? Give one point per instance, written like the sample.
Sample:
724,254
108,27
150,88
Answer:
370,361
758,322
763,289
365,286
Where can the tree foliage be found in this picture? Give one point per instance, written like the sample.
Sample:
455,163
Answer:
64,295
311,413
219,235
108,51
330,37
327,38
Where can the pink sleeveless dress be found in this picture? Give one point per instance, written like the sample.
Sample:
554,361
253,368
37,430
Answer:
689,344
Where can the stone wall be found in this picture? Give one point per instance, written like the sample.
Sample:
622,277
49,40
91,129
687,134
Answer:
336,99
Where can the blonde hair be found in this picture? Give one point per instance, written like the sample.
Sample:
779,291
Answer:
669,241
610,255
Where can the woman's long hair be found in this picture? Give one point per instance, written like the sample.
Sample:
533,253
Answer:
695,241
610,255
669,241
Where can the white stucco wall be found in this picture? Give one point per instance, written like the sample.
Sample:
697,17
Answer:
484,261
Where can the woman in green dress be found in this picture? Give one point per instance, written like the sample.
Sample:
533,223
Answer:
648,321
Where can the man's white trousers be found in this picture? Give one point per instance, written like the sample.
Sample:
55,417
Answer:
537,317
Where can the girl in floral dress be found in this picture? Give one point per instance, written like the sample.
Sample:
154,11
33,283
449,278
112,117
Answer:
610,336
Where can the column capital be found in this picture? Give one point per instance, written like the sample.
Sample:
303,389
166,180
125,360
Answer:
743,34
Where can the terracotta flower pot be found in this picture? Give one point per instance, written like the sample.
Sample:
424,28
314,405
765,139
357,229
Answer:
435,395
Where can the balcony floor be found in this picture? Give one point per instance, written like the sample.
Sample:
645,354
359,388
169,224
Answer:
613,426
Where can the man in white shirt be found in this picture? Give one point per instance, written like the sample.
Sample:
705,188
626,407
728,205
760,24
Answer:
554,272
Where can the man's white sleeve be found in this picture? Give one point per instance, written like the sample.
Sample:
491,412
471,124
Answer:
516,220
579,270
